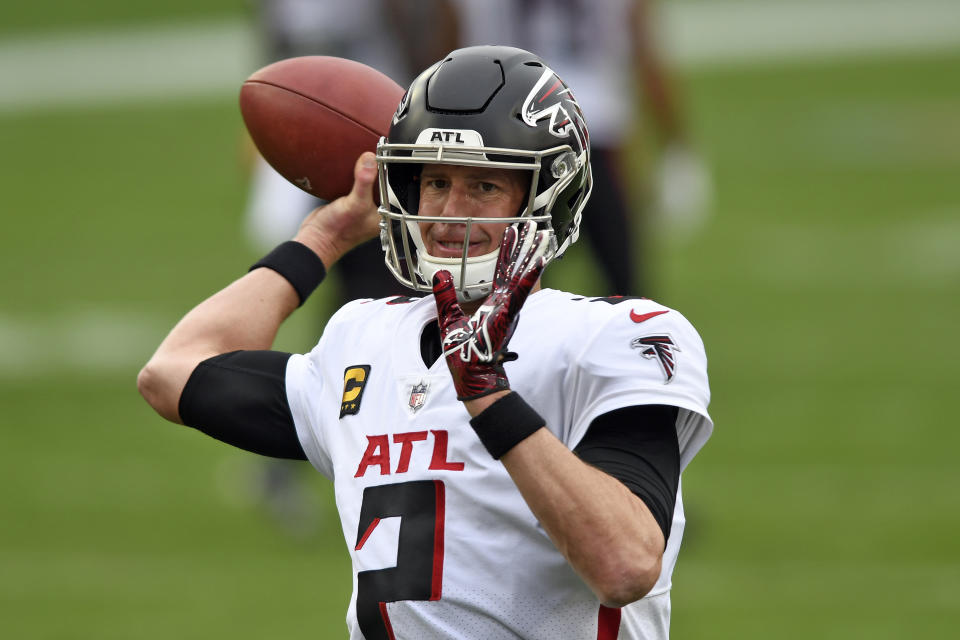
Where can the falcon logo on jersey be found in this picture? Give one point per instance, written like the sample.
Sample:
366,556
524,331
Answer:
660,347
550,99
418,395
354,382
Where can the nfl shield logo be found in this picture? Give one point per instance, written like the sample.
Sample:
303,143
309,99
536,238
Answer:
418,395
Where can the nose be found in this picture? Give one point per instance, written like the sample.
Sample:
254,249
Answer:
455,201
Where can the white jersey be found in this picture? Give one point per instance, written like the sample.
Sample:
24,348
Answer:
442,543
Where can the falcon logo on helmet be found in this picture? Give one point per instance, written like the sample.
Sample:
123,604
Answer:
402,107
660,347
554,95
550,98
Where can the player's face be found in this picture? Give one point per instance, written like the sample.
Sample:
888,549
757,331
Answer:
480,192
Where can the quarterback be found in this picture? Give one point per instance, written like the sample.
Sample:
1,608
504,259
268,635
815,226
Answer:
506,459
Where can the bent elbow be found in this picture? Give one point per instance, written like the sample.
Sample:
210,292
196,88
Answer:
631,582
158,392
148,384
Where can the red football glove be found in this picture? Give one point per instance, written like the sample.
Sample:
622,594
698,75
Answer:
476,347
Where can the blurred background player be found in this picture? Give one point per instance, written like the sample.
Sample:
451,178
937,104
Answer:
607,50
397,38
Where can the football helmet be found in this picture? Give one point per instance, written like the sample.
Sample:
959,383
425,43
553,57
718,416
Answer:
487,106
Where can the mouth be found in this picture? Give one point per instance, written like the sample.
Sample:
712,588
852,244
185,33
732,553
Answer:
454,248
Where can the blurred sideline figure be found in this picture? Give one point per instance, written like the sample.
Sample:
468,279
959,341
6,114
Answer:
606,50
396,37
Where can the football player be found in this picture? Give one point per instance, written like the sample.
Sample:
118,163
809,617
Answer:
506,458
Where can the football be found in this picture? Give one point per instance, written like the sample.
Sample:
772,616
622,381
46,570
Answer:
311,117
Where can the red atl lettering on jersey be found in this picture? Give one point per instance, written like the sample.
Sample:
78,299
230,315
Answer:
406,441
377,453
439,461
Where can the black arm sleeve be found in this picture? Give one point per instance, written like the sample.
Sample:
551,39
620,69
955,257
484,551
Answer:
638,446
241,398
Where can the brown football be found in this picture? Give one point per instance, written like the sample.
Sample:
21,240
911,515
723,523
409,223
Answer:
311,117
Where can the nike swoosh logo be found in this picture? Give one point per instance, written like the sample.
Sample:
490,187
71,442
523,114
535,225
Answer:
643,317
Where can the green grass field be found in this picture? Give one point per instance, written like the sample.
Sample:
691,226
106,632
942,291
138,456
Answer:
825,285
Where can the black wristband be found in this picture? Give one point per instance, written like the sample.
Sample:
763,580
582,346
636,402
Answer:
296,262
505,423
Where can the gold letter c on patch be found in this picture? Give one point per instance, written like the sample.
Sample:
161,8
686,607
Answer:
354,381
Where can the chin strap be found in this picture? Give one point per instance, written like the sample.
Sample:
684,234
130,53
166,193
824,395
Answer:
480,269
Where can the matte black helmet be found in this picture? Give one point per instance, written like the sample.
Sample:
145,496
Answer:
485,106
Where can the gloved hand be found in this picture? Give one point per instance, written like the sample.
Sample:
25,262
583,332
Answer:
476,347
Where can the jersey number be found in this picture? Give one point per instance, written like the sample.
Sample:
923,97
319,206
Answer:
418,574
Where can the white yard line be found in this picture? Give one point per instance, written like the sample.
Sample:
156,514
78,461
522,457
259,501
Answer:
918,252
102,341
212,59
154,63
735,32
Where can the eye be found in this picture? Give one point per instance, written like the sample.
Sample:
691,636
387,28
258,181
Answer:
488,187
